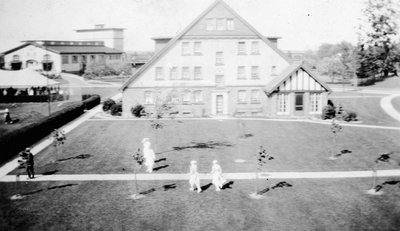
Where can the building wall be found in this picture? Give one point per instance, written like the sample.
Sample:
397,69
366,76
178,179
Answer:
35,53
76,67
111,38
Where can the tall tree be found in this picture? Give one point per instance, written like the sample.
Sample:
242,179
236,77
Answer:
376,51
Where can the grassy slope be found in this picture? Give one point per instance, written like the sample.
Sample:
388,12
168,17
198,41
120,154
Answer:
296,146
308,205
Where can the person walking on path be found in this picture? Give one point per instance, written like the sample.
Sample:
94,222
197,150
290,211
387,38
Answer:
29,164
194,179
217,178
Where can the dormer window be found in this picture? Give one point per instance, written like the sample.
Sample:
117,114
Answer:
221,24
230,24
210,24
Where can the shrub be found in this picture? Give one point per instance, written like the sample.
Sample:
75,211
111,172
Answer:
349,116
328,112
116,109
138,110
107,104
91,102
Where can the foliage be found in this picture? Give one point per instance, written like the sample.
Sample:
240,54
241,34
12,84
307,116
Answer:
263,157
58,137
335,128
138,111
107,104
328,112
99,69
116,109
139,158
349,116
377,49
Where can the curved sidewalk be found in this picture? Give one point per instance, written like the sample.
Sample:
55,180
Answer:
228,176
386,105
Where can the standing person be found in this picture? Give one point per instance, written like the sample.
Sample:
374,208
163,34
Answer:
7,117
148,154
217,178
194,179
29,163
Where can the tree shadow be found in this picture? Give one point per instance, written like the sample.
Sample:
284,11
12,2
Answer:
164,188
246,135
159,160
148,191
281,184
33,192
169,186
205,187
81,156
203,145
51,172
343,152
160,167
227,185
61,186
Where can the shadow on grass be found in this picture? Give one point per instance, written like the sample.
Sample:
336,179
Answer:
281,184
227,185
160,167
159,160
163,188
49,188
343,152
201,145
205,187
388,182
50,172
81,156
245,136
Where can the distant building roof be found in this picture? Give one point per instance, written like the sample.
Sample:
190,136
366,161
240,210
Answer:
84,49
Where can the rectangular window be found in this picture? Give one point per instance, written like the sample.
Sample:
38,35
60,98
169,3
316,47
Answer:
219,80
230,24
185,73
185,48
210,24
255,96
159,73
242,48
84,58
254,72
15,57
219,58
65,59
221,24
242,96
198,73
315,101
198,97
283,103
299,101
186,97
92,58
241,72
74,59
173,74
148,97
197,48
255,48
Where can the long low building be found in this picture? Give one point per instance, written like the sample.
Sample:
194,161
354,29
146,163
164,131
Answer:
59,56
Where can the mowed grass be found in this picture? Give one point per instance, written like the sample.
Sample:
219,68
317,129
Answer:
368,108
108,146
396,103
308,205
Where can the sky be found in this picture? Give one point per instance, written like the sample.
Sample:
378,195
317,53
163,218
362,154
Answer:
302,24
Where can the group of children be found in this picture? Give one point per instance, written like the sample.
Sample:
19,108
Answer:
217,179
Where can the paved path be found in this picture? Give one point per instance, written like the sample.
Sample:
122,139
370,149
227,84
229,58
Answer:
228,176
387,106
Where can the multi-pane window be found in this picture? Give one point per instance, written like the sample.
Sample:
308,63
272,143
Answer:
230,24
197,48
219,80
185,48
198,96
65,59
15,57
210,24
255,48
148,97
254,72
283,103
198,73
241,72
174,97
242,48
46,57
185,73
219,58
74,59
242,96
315,101
159,73
221,24
173,73
186,97
255,96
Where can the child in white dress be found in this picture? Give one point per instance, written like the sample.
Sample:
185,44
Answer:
194,179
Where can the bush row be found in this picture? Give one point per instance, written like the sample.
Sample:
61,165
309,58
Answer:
15,141
331,111
30,98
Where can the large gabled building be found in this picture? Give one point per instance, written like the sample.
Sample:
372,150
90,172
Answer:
221,65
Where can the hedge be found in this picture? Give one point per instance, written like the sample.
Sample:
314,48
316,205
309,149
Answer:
30,98
15,141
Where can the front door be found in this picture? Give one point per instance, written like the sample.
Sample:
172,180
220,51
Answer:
299,103
219,104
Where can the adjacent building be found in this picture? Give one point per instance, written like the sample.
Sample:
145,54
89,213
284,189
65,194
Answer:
221,65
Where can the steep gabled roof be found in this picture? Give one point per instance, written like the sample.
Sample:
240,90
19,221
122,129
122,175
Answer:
27,44
289,71
173,41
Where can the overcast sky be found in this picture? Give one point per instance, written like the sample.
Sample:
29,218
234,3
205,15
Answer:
302,24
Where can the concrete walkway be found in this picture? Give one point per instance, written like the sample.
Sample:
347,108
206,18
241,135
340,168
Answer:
387,106
228,176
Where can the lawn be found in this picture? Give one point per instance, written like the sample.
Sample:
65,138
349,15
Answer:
297,146
366,106
396,103
104,92
307,205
